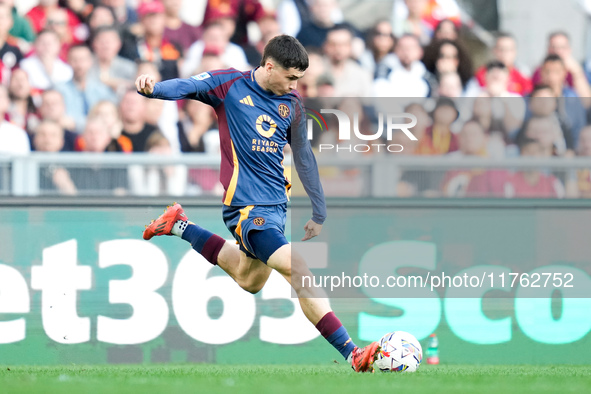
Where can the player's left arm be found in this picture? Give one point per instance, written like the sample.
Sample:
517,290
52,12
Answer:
307,169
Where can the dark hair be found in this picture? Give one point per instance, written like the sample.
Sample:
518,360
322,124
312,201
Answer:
553,58
341,26
103,29
47,31
78,46
431,56
446,20
373,33
476,122
287,51
559,33
445,102
96,7
538,87
523,142
504,34
495,64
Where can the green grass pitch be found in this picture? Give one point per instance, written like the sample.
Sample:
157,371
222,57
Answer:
202,378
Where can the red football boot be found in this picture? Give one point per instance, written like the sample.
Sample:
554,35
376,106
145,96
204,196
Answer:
363,358
163,225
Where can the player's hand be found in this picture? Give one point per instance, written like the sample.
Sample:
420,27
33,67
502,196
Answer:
145,84
312,229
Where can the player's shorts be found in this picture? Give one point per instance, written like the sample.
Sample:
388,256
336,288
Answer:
242,220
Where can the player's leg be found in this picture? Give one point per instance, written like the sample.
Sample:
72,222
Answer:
315,306
250,273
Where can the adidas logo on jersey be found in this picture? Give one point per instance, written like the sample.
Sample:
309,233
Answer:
247,100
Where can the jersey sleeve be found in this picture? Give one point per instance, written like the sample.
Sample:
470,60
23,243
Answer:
208,87
305,162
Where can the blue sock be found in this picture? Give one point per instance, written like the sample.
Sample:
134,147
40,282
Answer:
335,333
204,242
196,236
341,341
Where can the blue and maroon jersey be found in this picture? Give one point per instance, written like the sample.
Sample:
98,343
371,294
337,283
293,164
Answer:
254,126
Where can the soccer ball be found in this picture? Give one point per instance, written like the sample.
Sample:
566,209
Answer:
399,352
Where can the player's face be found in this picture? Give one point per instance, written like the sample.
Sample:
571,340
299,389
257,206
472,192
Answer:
282,81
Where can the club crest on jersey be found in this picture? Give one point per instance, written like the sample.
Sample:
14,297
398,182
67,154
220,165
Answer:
283,110
259,221
266,126
201,76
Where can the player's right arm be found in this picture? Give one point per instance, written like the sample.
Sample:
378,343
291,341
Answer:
200,87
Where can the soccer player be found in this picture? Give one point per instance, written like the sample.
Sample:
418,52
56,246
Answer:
259,111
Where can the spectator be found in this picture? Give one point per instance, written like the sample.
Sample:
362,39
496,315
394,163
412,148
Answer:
451,57
23,101
82,92
178,32
109,114
269,28
169,180
125,15
583,189
574,77
95,138
96,179
10,54
49,137
113,70
433,13
13,139
533,183
472,182
553,74
44,67
103,16
199,125
233,15
350,80
57,21
80,8
419,130
496,80
472,141
543,103
408,77
21,27
308,84
214,41
450,85
497,120
291,14
53,109
414,23
505,51
439,138
325,86
313,32
379,58
133,115
507,107
153,47
446,29
38,15
546,130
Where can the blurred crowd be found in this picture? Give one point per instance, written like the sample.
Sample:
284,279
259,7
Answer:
67,72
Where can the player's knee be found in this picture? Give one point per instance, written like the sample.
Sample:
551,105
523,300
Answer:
252,287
